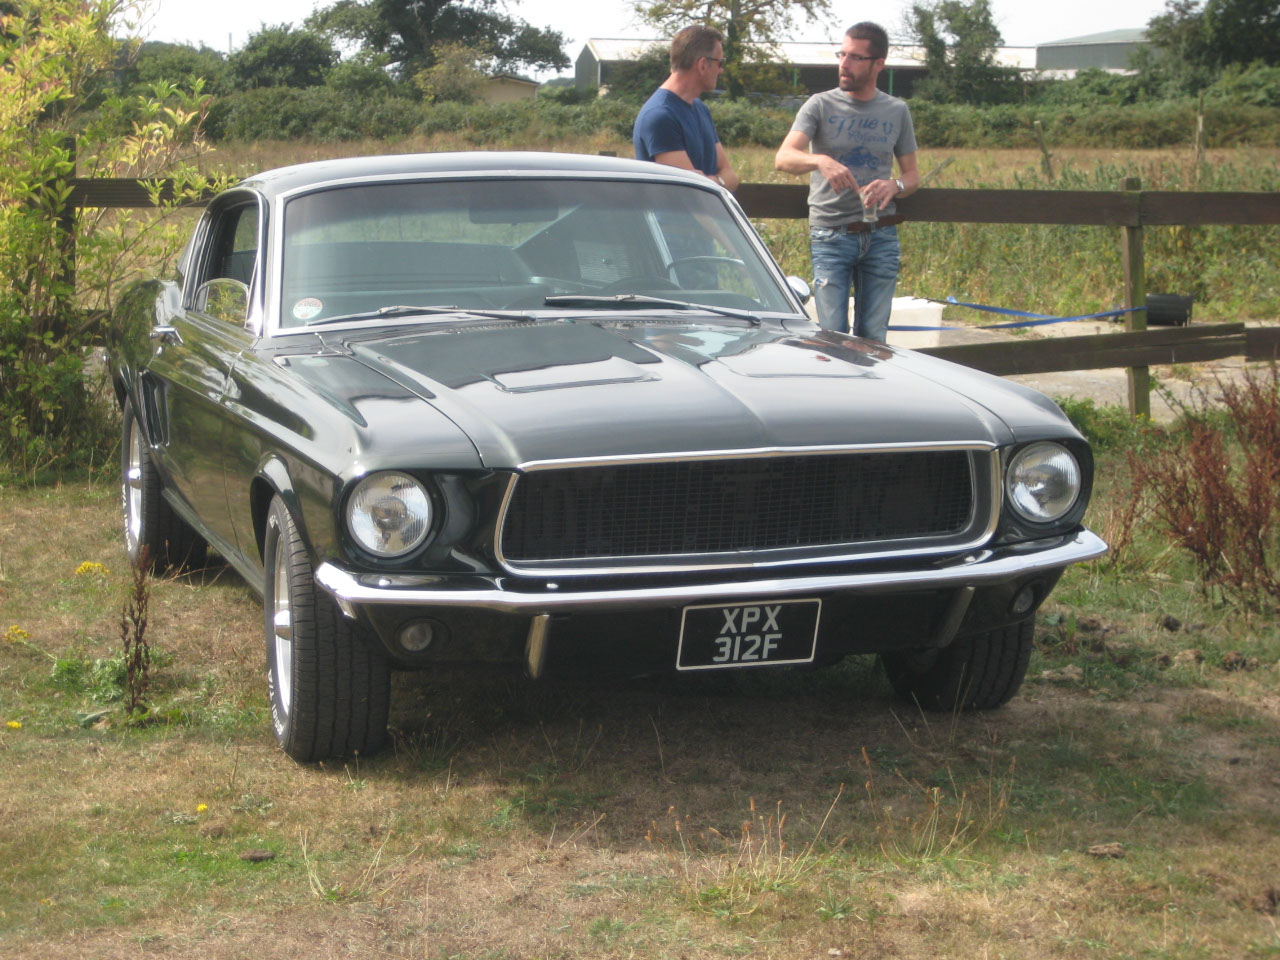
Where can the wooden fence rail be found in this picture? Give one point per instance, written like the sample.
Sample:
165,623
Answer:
1129,208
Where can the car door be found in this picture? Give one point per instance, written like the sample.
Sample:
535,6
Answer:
196,351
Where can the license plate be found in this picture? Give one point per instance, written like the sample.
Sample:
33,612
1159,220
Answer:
768,633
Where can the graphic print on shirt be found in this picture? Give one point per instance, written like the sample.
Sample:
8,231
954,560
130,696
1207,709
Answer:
859,157
870,139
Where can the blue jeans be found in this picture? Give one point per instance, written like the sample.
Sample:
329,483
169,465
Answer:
862,264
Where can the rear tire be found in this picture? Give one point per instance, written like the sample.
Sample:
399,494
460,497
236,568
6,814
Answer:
151,527
978,671
328,684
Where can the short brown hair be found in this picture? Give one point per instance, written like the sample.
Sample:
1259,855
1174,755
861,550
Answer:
692,44
873,32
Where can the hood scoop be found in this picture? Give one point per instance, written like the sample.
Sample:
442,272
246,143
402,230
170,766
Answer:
782,359
562,376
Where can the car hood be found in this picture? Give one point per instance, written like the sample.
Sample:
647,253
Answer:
599,387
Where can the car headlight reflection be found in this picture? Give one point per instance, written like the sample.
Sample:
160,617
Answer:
1043,482
389,514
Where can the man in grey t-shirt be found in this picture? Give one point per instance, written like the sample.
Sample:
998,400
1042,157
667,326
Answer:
846,140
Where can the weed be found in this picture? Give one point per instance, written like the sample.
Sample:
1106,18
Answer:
950,823
732,877
1218,501
133,639
374,883
607,930
1119,517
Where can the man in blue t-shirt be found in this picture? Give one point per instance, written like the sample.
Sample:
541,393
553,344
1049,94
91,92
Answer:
674,127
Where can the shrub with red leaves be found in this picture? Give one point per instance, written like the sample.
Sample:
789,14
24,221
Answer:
1215,488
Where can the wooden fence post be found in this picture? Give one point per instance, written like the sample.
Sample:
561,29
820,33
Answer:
66,224
1135,295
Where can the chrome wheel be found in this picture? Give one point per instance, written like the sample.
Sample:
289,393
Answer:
131,489
153,533
328,682
282,626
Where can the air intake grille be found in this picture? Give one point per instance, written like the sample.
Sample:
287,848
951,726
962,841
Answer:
717,507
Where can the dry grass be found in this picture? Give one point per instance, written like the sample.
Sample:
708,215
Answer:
955,168
510,820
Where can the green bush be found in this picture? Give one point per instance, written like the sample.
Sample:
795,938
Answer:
741,123
1257,85
1106,427
314,113
1140,125
59,55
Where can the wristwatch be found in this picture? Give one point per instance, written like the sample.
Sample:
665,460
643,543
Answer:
719,179
901,188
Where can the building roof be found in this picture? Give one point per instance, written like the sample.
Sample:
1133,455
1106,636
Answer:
1137,35
807,54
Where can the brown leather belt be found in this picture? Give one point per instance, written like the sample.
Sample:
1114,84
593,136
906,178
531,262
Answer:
862,226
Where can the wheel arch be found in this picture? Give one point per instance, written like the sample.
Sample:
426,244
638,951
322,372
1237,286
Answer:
273,479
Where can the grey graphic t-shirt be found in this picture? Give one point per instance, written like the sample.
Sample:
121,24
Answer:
864,135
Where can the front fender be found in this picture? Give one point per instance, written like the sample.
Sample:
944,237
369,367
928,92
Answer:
272,480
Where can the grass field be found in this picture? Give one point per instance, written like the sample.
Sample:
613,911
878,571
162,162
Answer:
792,815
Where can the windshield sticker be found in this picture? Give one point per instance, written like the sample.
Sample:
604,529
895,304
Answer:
306,308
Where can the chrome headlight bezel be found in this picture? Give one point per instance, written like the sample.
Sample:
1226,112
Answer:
1044,482
389,515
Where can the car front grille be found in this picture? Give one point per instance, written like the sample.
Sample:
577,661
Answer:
731,511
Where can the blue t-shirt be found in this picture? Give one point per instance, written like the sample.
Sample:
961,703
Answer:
666,123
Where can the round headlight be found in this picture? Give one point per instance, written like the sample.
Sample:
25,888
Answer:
389,514
1043,482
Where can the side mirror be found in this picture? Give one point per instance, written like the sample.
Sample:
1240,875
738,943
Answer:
800,289
224,298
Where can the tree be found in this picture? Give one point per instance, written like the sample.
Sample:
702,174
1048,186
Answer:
57,54
455,75
281,56
1190,44
751,28
960,40
177,63
638,77
408,32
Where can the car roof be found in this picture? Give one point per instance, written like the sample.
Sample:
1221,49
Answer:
482,163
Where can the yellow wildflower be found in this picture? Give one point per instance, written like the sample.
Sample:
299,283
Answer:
14,725
91,567
201,807
15,634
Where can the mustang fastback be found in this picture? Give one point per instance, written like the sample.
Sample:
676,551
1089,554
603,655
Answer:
555,411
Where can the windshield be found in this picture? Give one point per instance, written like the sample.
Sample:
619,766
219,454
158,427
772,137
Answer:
511,244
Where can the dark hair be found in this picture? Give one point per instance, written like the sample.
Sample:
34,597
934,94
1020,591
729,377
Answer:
873,32
692,44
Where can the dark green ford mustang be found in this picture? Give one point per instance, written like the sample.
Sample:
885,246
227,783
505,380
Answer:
562,411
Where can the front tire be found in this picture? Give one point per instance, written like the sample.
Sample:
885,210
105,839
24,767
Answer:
152,530
329,687
978,671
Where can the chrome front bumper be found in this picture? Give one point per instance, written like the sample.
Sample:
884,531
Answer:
549,596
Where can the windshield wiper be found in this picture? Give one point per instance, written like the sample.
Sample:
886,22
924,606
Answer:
409,311
578,299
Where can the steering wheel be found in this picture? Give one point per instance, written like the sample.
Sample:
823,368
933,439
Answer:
706,259
643,281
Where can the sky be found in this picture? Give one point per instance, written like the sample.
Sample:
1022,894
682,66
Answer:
1021,22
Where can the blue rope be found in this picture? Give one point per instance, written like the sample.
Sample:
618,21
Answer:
1038,319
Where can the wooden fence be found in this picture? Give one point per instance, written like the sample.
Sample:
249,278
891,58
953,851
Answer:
1129,209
